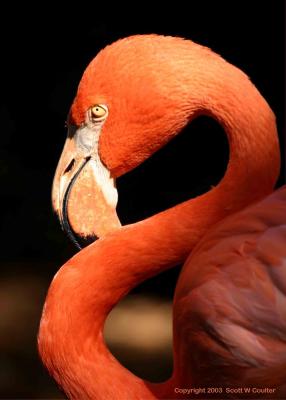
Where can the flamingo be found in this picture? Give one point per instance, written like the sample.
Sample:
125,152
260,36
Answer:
229,306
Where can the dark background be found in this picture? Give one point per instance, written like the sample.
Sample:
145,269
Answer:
43,55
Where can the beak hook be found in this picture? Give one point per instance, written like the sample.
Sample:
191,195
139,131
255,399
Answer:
84,195
65,224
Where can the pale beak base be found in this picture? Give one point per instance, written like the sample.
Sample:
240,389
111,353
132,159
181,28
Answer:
84,195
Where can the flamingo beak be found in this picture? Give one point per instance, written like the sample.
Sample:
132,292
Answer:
84,195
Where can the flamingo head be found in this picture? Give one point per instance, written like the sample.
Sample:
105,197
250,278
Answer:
133,98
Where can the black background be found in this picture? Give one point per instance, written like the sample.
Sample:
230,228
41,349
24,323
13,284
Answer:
43,55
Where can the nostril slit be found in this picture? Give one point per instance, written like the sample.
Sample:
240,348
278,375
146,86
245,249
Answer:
70,166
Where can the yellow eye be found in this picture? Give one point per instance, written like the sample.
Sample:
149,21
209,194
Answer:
98,111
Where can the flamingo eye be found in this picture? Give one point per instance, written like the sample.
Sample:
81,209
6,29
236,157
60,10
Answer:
98,112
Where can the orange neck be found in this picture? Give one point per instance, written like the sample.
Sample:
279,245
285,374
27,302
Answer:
86,288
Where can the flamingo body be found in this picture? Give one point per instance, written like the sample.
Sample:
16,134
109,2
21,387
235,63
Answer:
230,301
229,305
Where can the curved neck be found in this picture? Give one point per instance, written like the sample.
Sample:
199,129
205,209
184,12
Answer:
86,289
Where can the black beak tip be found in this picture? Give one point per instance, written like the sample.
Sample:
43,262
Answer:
84,241
78,240
81,241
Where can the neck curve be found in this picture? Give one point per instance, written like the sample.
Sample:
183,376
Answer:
88,286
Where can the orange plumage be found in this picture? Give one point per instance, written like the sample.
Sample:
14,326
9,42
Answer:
229,326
